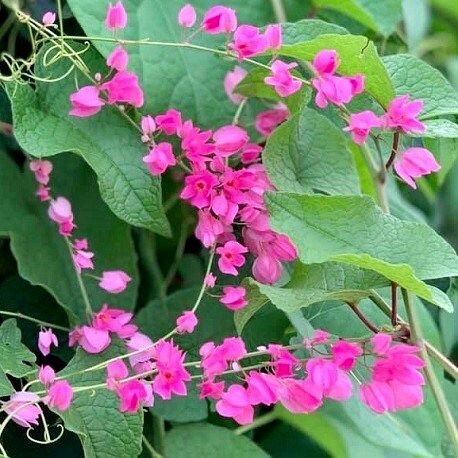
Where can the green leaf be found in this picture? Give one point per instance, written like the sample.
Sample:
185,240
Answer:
24,219
445,151
416,78
358,55
43,127
440,128
308,154
308,29
206,440
353,230
94,415
15,358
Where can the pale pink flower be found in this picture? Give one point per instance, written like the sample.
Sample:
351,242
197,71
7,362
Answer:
298,397
198,188
273,36
345,354
219,19
235,404
320,337
43,193
83,260
81,244
208,228
132,395
282,80
124,88
282,248
262,388
231,257
114,320
195,144
115,281
86,102
211,389
186,322
60,395
170,122
381,343
60,210
93,340
267,269
48,18
21,410
46,339
160,158
142,344
229,140
118,59
250,153
116,17
42,170
267,121
326,62
116,371
46,375
337,89
360,125
187,16
234,297
148,125
378,396
231,81
248,42
215,359
406,396
210,280
414,163
402,114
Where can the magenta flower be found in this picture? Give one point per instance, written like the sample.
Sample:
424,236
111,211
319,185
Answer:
124,88
234,298
381,343
208,228
187,16
144,345
283,249
224,209
231,81
211,389
273,36
116,371
284,361
170,122
198,188
215,359
46,375
43,193
22,412
262,388
114,320
118,59
116,17
402,114
48,18
235,404
248,42
160,158
46,339
86,102
60,395
267,121
345,354
282,80
378,396
229,140
298,397
210,280
360,125
82,259
187,322
231,257
148,125
414,163
250,153
338,90
92,340
326,62
42,170
115,281
134,394
219,19
267,269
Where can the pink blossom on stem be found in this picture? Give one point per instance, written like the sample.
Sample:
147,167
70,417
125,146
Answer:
198,188
210,280
219,19
345,354
414,163
93,340
208,228
360,125
338,90
82,259
234,298
211,389
248,42
187,16
60,395
262,388
115,281
170,122
320,337
46,375
48,18
381,343
273,36
402,114
22,412
267,269
118,59
267,121
143,345
229,140
235,404
124,88
86,102
250,153
378,396
116,371
326,62
43,193
231,81
284,361
160,158
132,395
148,125
116,17
231,257
298,397
42,170
114,320
282,80
186,322
46,339
81,244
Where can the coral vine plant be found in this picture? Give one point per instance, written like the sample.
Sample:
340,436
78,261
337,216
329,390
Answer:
275,195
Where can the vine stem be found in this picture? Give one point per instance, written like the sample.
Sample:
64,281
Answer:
394,150
441,401
257,423
363,317
34,320
279,10
150,448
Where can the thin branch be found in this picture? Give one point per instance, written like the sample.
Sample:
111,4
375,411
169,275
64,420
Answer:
33,320
363,317
394,150
394,303
279,10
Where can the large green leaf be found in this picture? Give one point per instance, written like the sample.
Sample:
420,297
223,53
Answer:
106,141
94,415
308,153
42,254
205,440
308,29
353,230
15,358
416,78
358,55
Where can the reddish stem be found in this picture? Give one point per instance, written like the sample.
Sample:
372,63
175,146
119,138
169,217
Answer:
363,318
394,150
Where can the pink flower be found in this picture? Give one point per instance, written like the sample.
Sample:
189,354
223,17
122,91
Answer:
298,397
210,280
231,256
93,340
281,79
198,188
132,395
170,122
46,339
345,354
208,228
224,209
273,36
266,269
160,158
187,322
46,375
43,193
60,395
211,389
230,139
267,121
406,396
21,410
262,388
320,337
337,89
124,88
250,153
248,42
360,125
234,298
235,404
283,360
172,374
381,343
81,244
148,125
116,371
414,163
215,358
115,281
118,59
116,17
114,320
41,169
187,16
283,249
326,62
231,81
48,18
86,102
402,114
83,260
378,396
143,346
219,19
